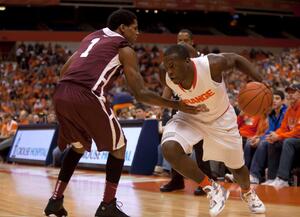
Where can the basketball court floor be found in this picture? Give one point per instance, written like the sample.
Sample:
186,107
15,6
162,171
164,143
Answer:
24,191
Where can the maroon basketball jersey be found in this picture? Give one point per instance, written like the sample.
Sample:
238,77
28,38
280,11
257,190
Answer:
96,61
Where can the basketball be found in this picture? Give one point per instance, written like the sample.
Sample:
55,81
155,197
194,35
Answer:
255,99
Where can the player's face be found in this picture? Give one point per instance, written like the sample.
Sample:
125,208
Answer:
131,32
175,67
277,101
184,37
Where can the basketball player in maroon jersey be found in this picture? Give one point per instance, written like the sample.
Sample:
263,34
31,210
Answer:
84,113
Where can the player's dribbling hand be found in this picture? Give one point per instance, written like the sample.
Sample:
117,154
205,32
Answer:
188,108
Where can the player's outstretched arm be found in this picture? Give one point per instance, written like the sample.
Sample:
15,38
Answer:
225,61
135,81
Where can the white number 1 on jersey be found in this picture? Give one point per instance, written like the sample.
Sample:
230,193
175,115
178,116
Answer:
86,52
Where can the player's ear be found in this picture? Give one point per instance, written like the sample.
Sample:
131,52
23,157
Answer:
187,60
122,28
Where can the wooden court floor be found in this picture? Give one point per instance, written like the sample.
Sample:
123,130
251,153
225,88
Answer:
24,191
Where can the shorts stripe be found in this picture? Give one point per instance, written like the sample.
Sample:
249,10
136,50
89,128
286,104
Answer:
112,126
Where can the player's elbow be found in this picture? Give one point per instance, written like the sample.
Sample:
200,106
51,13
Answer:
142,95
138,95
230,59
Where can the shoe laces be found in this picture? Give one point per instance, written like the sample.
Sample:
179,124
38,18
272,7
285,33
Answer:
252,198
211,191
212,202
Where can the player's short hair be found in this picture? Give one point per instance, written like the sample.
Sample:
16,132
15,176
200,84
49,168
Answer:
119,17
189,32
180,50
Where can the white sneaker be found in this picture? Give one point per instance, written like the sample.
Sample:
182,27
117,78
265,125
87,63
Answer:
268,182
217,196
159,171
229,178
254,179
280,183
254,203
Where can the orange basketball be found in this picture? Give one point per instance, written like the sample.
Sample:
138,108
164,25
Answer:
255,99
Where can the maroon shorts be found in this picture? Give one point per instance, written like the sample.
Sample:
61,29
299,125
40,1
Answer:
82,116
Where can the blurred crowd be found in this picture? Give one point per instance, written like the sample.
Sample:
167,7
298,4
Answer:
28,82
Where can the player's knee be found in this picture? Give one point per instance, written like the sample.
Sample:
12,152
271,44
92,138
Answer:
165,150
169,151
78,147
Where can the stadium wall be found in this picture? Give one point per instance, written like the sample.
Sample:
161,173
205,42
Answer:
223,43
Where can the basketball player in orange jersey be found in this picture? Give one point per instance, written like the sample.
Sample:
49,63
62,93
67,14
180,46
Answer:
84,113
199,82
185,36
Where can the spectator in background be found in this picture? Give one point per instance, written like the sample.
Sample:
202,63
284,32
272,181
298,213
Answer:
39,118
30,83
122,100
23,117
285,141
36,119
140,111
157,113
162,167
125,113
247,125
122,105
8,130
51,118
234,103
39,64
30,119
257,161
